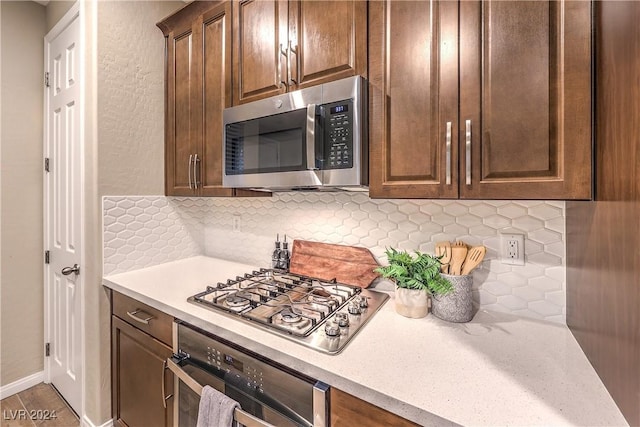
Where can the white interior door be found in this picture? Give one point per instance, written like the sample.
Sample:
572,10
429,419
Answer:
63,209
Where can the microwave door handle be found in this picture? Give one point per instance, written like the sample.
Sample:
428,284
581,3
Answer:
311,140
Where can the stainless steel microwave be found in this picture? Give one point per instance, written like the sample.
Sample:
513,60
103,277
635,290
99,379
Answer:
313,138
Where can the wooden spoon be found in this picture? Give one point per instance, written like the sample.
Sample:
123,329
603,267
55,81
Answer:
474,258
458,255
460,243
443,249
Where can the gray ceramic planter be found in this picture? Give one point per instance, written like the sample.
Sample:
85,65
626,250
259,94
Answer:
456,306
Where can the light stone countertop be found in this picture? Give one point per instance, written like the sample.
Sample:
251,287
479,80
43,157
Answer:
497,370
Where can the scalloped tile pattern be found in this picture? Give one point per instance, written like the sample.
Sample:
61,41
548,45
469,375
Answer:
190,226
148,230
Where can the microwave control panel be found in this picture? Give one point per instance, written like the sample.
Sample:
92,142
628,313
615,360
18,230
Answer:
338,135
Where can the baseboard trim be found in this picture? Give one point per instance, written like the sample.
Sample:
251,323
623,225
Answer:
86,422
21,385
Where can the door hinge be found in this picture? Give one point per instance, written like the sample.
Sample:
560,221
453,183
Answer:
47,349
46,164
47,257
46,78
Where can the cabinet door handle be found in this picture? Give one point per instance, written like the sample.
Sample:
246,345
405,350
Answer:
189,169
294,50
145,321
195,171
164,378
468,149
448,154
286,54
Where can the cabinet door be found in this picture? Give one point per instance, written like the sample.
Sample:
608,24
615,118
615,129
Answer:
327,41
347,411
413,94
216,88
182,137
259,37
138,373
525,89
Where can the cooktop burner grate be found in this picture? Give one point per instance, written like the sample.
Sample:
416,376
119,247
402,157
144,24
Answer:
294,306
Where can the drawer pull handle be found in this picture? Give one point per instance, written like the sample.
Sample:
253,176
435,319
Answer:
133,313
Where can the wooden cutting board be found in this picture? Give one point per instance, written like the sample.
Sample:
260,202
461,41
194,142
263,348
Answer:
346,264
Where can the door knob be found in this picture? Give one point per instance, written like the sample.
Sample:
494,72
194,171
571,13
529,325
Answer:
68,270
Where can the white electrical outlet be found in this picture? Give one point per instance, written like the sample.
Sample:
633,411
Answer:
236,222
512,248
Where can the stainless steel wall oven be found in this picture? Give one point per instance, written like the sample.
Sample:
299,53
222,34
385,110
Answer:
268,392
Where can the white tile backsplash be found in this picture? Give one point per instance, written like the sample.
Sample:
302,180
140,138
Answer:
148,230
143,231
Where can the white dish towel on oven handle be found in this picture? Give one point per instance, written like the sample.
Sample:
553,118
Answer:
216,409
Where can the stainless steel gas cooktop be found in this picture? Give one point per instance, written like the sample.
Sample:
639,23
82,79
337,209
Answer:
319,314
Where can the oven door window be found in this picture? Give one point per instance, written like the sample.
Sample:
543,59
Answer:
267,145
257,404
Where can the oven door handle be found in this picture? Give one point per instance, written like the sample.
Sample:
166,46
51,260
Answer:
240,416
238,383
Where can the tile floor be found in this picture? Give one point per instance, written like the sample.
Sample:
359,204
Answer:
40,405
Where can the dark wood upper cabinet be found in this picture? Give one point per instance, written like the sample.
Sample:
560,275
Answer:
198,89
413,99
181,133
514,81
216,89
525,87
328,41
281,46
259,34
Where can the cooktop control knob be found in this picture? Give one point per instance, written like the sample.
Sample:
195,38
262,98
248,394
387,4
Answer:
363,302
342,319
332,329
354,308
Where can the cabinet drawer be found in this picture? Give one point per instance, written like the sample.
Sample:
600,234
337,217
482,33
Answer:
148,319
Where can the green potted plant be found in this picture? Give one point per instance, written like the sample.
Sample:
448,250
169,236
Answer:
416,277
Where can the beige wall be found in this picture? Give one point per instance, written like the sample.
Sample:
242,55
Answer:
125,151
0,187
56,10
124,146
131,97
21,311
